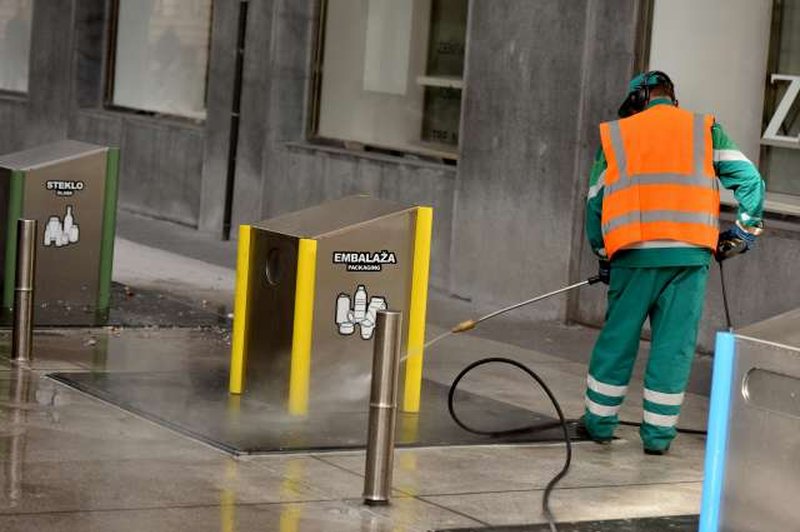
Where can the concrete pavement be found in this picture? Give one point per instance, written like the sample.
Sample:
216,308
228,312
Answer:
72,462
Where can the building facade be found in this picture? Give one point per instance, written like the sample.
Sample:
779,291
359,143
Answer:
485,109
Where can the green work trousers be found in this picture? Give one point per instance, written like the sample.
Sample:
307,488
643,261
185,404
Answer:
672,297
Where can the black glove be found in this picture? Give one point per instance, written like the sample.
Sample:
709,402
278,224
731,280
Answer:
604,271
734,241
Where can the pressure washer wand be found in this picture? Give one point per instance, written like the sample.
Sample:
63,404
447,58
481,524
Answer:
728,320
471,324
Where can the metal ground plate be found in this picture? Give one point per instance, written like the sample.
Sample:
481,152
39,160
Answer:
197,404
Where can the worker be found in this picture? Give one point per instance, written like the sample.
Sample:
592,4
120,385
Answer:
652,219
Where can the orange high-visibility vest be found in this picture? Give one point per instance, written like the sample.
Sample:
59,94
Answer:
660,189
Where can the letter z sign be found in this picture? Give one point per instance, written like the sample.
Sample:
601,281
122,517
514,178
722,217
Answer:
771,134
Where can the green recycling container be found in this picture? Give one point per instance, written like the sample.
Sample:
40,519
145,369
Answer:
70,188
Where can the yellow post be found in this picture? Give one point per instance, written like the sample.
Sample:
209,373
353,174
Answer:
240,314
417,309
300,372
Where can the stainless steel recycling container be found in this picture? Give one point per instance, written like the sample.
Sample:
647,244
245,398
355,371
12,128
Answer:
309,285
70,188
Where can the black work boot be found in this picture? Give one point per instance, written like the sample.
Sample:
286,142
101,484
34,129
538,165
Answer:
583,433
656,452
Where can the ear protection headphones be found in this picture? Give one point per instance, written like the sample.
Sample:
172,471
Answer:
637,99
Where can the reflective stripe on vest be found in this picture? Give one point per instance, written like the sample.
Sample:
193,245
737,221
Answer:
660,216
660,183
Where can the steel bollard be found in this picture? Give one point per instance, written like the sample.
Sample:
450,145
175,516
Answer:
22,336
383,408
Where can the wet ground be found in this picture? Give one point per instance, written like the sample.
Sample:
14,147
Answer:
197,403
140,307
72,462
134,307
178,377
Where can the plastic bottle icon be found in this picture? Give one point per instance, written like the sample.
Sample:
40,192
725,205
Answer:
60,233
369,321
364,312
360,305
346,326
52,231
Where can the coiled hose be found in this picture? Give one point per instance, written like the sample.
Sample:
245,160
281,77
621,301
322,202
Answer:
562,421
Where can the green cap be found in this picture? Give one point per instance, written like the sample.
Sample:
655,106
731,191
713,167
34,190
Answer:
644,79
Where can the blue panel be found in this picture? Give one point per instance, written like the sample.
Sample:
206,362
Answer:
716,445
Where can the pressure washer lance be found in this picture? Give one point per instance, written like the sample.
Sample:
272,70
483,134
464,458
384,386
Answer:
471,324
468,325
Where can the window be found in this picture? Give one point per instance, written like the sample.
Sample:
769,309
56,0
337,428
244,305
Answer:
781,140
391,74
15,44
161,56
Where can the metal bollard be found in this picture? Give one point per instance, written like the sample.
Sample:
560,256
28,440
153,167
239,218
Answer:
383,408
22,336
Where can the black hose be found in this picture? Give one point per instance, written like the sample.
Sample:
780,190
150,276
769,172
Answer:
562,422
699,432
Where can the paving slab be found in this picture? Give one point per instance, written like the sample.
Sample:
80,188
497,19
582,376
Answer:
580,504
679,523
52,423
530,467
407,515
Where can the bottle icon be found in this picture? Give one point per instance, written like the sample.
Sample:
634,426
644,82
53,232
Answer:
70,227
68,219
343,315
360,304
367,326
60,233
364,312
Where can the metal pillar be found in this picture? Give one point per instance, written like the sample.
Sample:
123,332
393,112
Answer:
22,338
383,407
